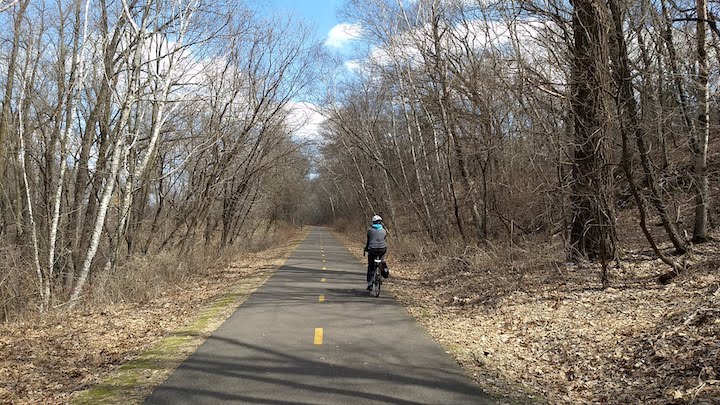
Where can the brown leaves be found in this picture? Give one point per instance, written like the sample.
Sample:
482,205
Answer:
558,334
45,360
51,357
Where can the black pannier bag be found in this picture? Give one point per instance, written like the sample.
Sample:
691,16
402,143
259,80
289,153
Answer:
384,270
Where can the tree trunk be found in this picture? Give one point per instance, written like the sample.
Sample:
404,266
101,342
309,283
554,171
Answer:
10,81
701,136
630,125
31,217
592,233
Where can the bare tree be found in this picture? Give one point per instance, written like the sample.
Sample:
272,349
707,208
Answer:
592,232
7,98
699,140
630,127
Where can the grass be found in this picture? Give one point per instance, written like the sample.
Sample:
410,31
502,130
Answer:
135,380
132,381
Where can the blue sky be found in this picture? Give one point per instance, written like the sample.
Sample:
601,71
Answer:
321,13
337,36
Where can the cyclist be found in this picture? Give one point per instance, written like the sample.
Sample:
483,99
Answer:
375,246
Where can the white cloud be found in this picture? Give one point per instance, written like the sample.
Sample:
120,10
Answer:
482,35
353,65
341,34
304,120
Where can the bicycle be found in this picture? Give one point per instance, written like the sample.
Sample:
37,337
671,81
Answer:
377,277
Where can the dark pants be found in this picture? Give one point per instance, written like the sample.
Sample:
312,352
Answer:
372,254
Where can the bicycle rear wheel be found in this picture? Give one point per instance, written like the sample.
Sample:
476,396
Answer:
376,285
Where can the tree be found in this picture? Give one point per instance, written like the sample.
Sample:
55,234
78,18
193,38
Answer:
592,234
699,140
129,127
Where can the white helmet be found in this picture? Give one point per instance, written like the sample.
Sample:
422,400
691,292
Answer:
376,218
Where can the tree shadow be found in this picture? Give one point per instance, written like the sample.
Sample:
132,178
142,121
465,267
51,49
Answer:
381,355
263,375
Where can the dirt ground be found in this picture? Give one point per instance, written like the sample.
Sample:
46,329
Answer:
525,324
45,360
522,322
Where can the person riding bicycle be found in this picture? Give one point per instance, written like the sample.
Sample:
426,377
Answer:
375,246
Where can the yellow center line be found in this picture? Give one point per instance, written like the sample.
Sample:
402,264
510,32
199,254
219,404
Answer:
324,268
321,299
323,261
322,280
318,336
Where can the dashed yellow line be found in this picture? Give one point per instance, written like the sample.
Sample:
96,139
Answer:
324,268
318,336
322,280
323,261
321,299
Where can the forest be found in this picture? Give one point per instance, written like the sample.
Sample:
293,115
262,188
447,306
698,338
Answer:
524,154
543,165
131,128
475,122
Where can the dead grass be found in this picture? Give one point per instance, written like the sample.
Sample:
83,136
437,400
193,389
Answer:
523,316
45,360
17,282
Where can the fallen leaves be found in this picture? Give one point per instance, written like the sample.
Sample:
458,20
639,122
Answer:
547,325
46,360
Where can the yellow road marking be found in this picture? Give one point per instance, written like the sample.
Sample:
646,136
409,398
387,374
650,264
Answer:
318,336
321,299
322,280
323,261
323,255
324,268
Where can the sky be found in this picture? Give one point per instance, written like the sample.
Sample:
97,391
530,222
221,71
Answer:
342,37
322,13
337,36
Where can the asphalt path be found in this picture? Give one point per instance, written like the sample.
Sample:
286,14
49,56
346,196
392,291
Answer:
312,335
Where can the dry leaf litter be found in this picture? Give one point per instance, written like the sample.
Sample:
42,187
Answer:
43,361
533,321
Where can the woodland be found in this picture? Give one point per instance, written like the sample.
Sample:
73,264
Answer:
548,172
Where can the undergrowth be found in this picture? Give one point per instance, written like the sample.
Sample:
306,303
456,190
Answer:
519,314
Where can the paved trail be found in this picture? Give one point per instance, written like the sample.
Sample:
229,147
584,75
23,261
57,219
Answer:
312,335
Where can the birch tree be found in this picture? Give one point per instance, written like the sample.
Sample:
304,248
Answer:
699,141
164,57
